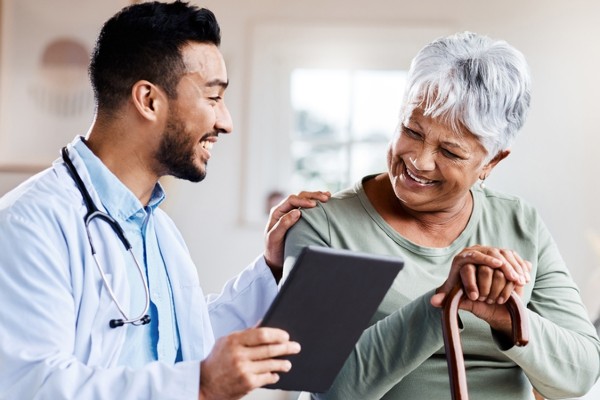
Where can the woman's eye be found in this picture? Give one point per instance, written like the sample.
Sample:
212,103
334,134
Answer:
412,133
450,154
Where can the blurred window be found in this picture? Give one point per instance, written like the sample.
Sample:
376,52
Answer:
343,121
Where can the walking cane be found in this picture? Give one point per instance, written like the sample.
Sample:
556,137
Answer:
452,344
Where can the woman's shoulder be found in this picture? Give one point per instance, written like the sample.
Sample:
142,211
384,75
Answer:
343,201
502,203
348,201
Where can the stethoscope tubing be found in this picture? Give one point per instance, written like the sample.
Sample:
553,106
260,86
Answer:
94,213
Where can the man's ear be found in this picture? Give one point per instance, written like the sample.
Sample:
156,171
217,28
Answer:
502,154
148,99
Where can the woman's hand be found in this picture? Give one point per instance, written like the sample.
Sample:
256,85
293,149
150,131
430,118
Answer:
281,218
488,275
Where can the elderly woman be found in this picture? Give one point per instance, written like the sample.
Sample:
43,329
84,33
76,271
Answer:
466,98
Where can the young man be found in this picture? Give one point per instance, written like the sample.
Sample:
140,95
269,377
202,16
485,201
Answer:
100,298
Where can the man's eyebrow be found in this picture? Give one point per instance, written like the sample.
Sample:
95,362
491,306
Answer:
217,82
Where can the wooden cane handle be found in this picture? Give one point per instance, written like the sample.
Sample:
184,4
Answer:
453,346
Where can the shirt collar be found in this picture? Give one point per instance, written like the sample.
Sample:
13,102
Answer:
117,199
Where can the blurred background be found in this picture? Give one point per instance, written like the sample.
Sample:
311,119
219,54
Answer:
314,93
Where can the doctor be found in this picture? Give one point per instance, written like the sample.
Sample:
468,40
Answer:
100,298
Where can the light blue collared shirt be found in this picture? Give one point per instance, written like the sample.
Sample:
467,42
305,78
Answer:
158,340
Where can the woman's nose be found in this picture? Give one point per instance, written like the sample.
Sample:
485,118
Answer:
423,161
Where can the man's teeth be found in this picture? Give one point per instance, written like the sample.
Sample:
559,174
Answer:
206,145
421,181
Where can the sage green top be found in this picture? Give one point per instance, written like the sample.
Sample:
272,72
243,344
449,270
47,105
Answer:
401,356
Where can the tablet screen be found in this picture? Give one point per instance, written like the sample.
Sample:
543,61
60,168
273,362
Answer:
325,304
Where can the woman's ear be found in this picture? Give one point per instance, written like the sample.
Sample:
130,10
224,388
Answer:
493,162
148,99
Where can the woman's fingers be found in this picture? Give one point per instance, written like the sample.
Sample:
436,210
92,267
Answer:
485,272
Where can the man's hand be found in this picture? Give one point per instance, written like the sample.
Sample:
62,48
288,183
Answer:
281,218
244,361
488,275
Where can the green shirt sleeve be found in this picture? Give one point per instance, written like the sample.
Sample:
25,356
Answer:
388,351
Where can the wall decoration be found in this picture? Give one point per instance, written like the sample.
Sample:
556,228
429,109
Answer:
45,95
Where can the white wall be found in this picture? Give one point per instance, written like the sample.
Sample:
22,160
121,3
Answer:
553,165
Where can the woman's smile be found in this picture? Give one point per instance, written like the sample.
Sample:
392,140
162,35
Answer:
416,178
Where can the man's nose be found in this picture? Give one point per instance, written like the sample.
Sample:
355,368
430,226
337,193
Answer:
223,123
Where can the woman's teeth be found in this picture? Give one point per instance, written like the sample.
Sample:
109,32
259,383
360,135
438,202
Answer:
419,180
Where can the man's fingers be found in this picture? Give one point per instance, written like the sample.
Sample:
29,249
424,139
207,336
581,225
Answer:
280,227
293,201
271,351
268,378
303,199
271,365
245,360
275,236
261,336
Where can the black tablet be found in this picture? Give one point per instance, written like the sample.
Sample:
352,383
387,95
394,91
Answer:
325,304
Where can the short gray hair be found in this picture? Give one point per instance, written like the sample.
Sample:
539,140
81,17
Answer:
472,82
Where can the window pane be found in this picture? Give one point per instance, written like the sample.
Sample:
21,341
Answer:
321,103
343,123
368,158
375,103
319,167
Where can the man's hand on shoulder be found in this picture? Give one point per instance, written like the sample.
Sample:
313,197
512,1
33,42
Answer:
281,218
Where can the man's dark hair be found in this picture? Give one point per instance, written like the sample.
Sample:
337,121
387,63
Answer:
144,41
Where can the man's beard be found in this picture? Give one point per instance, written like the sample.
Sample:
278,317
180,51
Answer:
177,152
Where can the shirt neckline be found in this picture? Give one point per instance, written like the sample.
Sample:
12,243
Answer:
118,200
458,244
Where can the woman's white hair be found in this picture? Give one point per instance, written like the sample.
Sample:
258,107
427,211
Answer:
471,81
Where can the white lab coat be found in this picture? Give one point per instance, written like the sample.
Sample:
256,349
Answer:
55,341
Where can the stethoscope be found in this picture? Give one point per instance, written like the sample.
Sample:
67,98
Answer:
94,213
